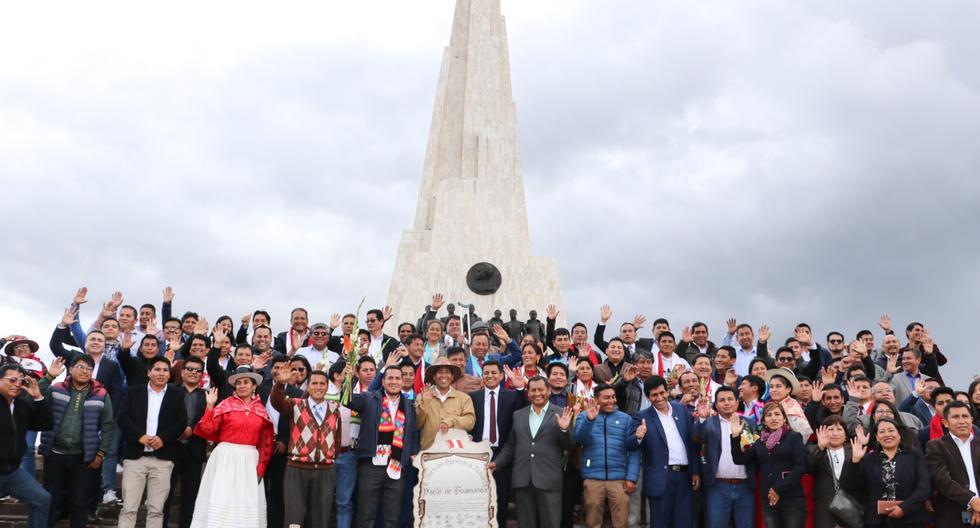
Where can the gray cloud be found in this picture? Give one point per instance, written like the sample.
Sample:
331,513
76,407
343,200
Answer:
770,161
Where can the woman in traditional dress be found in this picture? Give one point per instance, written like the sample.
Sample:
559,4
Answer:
231,493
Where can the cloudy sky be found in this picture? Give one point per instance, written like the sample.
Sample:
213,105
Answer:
772,161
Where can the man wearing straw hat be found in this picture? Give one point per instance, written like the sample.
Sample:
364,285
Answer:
439,407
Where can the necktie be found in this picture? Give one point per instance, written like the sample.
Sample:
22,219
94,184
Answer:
318,414
493,420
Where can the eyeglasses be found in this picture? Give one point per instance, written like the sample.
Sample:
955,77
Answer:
835,341
320,333
193,369
883,412
785,359
18,381
83,367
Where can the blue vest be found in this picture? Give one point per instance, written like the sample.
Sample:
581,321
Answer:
91,417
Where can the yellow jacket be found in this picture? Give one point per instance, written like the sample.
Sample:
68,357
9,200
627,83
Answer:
456,412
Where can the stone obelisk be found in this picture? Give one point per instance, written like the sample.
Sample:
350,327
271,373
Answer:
471,209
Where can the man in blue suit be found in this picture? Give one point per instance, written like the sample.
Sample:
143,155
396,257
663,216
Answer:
671,466
494,407
729,486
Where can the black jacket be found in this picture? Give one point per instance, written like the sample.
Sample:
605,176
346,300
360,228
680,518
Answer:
508,401
194,407
110,373
914,486
29,415
170,424
782,469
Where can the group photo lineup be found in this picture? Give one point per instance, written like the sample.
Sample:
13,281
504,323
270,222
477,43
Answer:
653,265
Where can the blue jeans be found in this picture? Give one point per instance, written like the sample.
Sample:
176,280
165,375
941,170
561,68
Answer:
111,460
25,488
787,513
28,463
346,467
725,500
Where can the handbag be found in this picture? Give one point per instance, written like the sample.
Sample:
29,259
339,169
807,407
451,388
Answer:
846,508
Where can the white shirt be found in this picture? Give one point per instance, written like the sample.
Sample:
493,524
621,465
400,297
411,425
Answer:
727,468
487,425
443,397
836,457
315,356
153,402
95,371
967,457
273,414
374,347
676,450
669,363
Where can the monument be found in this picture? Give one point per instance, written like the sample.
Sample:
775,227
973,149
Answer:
470,239
455,487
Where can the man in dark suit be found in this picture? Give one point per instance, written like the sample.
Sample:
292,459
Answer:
494,407
954,462
729,486
298,335
671,464
535,451
380,344
275,472
152,418
379,475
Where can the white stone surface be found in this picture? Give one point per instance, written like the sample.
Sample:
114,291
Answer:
455,487
471,204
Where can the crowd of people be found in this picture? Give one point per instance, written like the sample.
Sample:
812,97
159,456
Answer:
320,423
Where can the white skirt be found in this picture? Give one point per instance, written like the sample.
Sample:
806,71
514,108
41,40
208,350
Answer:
231,495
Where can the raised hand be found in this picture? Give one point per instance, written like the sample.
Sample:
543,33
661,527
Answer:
605,312
688,398
168,295
593,410
816,390
437,301
334,320
703,409
501,334
69,317
80,296
927,344
260,361
116,300
395,357
686,334
885,322
151,327
892,364
828,375
861,435
802,336
516,378
851,388
211,398
641,430
572,363
284,376
170,354
732,325
920,387
246,319
638,321
202,326
629,373
858,346
108,310
731,377
735,423
764,334
386,314
858,449
31,387
565,420
552,312
56,367
823,437
127,341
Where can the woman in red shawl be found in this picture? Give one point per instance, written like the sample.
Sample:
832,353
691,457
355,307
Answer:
232,494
